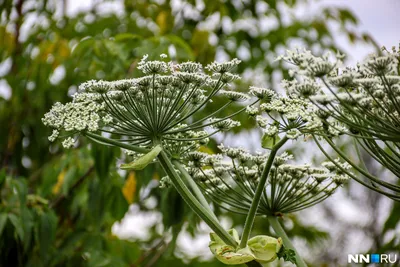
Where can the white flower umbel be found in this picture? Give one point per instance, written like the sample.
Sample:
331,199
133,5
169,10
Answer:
361,101
290,114
365,98
84,113
68,143
290,188
153,108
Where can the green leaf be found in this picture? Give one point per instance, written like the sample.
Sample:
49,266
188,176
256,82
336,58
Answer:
27,222
21,190
171,198
228,254
183,49
122,37
143,161
71,241
85,44
3,222
2,176
394,218
265,248
103,157
118,204
268,142
96,201
346,15
261,248
287,254
47,232
17,225
69,177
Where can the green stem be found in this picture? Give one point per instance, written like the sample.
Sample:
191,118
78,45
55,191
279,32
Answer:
259,190
201,208
192,184
193,203
188,180
273,221
109,141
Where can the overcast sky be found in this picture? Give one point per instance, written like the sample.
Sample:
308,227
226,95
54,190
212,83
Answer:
380,18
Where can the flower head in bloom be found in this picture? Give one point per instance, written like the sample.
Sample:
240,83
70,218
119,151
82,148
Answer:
362,97
309,64
290,115
150,109
230,180
84,113
224,67
361,101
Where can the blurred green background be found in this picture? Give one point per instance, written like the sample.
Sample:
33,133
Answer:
58,207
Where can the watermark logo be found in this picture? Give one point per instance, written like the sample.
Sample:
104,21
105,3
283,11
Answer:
372,258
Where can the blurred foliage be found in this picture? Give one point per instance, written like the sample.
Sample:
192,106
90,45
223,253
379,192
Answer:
57,207
387,241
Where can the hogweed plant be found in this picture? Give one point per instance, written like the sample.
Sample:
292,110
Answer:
266,184
364,99
148,115
153,119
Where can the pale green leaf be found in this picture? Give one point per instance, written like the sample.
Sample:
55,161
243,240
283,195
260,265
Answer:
143,161
268,142
264,248
3,222
17,225
47,232
260,248
228,254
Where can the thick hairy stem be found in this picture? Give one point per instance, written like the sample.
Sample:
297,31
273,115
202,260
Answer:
200,208
273,221
188,180
193,203
192,184
259,190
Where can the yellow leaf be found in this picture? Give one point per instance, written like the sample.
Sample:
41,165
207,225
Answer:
129,188
156,176
162,21
199,41
206,150
60,180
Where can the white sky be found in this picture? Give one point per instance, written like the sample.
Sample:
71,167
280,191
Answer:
380,18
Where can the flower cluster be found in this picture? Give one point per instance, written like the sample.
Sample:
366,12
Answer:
290,114
361,101
155,108
365,98
84,113
309,64
230,180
